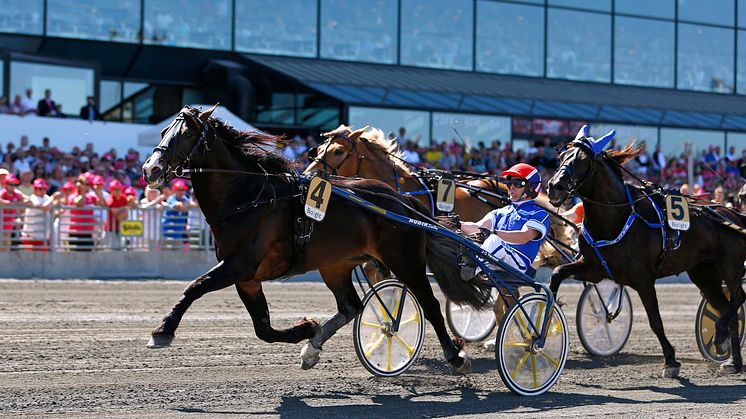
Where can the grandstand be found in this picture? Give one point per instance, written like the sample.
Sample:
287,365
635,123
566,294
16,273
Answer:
510,78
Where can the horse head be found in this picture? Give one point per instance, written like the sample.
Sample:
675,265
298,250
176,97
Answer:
337,154
178,143
577,163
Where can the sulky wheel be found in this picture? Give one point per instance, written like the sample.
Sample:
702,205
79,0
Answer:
526,368
704,332
382,350
469,324
600,334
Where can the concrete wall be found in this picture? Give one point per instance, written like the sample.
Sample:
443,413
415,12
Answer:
111,265
167,265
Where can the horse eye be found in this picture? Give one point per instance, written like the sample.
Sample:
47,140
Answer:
338,152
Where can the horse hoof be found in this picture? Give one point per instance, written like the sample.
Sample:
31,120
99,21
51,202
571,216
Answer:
159,341
728,368
671,372
465,367
309,355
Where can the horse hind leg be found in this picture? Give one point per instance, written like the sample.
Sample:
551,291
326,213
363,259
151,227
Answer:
705,276
348,307
220,276
412,274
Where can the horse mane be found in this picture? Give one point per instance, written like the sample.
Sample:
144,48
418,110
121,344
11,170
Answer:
390,149
255,144
377,142
629,152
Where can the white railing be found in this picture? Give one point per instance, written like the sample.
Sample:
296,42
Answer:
68,228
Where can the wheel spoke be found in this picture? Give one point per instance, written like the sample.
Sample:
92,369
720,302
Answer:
369,324
517,345
410,349
372,347
520,364
550,359
533,370
414,319
388,350
467,320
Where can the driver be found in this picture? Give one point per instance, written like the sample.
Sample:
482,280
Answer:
516,230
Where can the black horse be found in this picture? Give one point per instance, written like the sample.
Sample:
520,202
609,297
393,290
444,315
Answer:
252,203
637,254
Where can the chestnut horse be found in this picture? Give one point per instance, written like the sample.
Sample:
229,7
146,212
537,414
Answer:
252,200
625,237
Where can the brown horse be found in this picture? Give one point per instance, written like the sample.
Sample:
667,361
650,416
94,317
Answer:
367,154
252,201
635,252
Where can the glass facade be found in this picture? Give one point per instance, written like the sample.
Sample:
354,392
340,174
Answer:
69,85
359,31
110,94
738,143
491,36
105,20
741,64
599,5
508,41
472,128
188,23
579,45
437,33
644,52
673,140
282,27
22,16
664,9
705,58
416,123
715,12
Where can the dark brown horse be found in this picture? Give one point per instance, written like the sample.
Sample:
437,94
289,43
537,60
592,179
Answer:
636,253
251,201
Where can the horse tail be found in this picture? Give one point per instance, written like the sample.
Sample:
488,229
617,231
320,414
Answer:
442,257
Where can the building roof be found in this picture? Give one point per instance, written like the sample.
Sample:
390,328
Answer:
381,85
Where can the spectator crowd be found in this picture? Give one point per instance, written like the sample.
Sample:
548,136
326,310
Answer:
87,195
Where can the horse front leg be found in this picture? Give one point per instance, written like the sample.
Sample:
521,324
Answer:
220,276
348,307
562,272
649,299
252,296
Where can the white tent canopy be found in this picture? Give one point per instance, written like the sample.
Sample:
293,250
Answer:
152,136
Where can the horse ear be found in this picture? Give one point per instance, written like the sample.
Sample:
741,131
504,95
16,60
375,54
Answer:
205,116
358,132
582,133
601,143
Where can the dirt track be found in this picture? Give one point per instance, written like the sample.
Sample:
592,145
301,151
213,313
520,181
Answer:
77,348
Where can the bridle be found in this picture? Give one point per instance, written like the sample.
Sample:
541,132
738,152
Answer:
576,182
335,169
182,170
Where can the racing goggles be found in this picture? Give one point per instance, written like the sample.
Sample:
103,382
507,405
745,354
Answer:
517,182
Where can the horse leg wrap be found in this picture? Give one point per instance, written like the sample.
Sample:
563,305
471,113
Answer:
311,351
328,329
